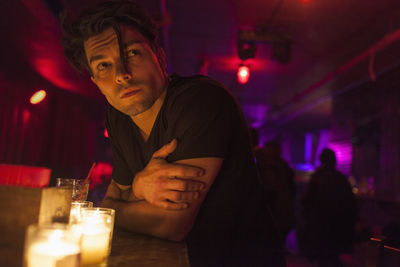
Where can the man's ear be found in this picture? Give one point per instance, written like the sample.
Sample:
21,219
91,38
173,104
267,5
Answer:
162,59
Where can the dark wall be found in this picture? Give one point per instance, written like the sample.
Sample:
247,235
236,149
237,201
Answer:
370,115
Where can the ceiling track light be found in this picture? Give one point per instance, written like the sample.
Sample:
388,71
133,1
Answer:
281,44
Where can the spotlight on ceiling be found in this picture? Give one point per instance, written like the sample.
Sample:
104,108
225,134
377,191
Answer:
281,44
246,49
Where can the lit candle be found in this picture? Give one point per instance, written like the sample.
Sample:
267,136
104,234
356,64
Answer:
96,235
95,245
53,252
76,206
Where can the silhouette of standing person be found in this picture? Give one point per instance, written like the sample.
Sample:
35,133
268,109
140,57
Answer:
329,213
277,181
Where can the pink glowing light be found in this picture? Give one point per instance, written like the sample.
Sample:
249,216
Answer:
243,74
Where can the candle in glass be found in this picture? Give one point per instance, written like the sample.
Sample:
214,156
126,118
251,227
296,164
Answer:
97,226
51,245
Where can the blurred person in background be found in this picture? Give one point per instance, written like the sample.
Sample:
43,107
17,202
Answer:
329,214
278,183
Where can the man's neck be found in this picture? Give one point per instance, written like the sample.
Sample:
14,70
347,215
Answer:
145,121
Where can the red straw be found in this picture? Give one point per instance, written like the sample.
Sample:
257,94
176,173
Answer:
87,179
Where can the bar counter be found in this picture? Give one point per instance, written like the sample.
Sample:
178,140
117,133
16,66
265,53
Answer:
131,249
19,207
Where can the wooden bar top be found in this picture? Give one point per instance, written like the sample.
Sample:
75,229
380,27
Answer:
19,207
131,249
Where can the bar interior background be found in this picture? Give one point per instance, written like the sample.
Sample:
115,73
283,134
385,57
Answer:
322,73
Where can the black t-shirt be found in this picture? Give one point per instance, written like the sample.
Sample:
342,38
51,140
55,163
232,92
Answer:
207,122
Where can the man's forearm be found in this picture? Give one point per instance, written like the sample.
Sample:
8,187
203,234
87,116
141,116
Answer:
171,199
141,217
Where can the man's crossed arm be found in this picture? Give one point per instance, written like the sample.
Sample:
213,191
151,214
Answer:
164,198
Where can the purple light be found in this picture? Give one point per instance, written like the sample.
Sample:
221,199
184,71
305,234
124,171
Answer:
255,114
344,155
304,167
308,148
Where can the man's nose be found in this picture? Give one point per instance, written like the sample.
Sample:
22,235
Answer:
122,74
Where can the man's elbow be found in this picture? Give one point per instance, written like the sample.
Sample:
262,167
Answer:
178,233
108,202
177,237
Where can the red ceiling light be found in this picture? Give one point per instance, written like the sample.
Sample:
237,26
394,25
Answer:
105,133
243,74
305,1
38,97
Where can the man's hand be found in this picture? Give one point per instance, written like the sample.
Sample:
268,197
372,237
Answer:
167,185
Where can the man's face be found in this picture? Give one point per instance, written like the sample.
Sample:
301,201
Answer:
133,89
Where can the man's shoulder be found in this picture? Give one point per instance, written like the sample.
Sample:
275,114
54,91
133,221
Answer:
197,93
197,84
179,80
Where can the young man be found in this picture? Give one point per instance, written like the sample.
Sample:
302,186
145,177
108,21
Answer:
183,166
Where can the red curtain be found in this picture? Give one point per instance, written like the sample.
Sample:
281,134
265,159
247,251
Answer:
59,133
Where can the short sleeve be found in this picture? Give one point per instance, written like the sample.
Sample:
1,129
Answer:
201,119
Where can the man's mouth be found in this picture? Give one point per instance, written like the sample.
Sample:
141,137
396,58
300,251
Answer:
129,93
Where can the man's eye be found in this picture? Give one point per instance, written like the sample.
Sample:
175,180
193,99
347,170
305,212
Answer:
132,53
102,66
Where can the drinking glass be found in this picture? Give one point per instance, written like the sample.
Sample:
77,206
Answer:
80,190
76,206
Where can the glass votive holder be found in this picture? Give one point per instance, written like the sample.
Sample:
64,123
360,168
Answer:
76,206
80,189
49,245
97,226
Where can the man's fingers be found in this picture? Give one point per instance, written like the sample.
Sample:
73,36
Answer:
171,205
183,171
166,149
184,185
178,196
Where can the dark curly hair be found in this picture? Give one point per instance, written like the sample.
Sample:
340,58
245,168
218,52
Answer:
93,21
